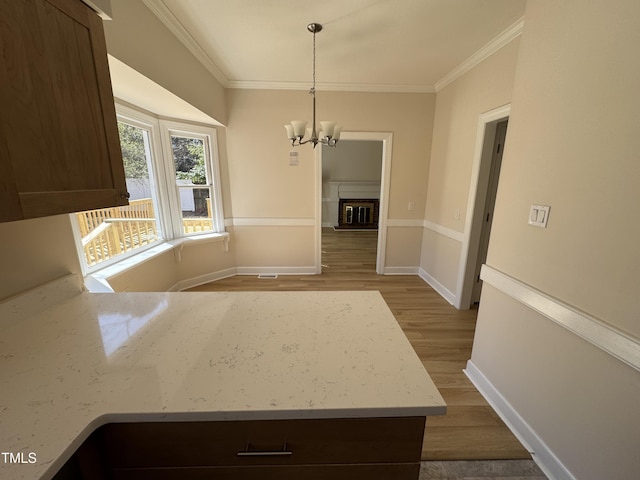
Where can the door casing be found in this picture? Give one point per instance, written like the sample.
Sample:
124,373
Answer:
483,153
387,140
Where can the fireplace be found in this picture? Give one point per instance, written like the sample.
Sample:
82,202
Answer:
358,213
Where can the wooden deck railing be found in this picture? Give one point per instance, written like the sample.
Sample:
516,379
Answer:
108,232
116,236
197,224
92,219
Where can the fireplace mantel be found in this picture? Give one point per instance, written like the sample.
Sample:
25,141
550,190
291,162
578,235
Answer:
334,191
354,189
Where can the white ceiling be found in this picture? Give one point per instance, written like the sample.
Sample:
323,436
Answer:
368,45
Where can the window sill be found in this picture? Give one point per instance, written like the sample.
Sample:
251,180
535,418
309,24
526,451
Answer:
98,281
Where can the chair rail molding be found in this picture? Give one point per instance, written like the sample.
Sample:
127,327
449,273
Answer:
446,231
604,336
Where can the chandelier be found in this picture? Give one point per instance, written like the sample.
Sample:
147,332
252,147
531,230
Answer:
329,132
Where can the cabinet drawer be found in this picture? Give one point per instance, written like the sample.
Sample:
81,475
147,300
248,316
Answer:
399,471
270,442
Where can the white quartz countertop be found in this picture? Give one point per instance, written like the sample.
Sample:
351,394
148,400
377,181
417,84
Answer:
97,358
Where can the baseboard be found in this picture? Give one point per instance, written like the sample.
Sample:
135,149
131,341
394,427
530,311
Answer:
202,279
401,270
230,272
540,452
278,270
444,292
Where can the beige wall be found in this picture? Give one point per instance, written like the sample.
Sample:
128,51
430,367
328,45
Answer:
156,275
35,252
178,268
274,249
138,38
403,249
199,261
264,186
572,144
458,108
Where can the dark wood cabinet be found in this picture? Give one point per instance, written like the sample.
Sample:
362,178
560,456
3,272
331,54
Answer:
378,471
59,144
336,449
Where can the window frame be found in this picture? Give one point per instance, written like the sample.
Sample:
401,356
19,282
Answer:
169,128
163,180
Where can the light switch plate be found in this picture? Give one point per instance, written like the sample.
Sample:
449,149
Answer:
539,215
293,158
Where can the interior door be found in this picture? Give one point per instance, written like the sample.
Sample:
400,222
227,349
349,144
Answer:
494,176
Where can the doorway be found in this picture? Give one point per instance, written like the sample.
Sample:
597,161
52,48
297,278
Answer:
490,141
382,192
490,203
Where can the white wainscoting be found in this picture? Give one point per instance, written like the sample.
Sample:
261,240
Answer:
539,450
446,231
613,341
202,279
444,292
447,294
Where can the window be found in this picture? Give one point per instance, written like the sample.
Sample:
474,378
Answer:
191,170
172,175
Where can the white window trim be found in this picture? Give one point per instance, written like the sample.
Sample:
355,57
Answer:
169,128
172,236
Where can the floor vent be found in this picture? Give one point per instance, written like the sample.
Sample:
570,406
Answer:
268,275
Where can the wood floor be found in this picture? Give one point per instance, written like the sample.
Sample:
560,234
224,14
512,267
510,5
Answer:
441,336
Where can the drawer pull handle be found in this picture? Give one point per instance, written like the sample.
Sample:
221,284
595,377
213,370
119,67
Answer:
247,452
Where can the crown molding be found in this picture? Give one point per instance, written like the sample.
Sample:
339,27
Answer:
160,10
514,31
331,87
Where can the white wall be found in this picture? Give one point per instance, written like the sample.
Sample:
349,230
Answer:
572,144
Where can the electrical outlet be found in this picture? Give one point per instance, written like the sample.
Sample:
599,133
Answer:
412,206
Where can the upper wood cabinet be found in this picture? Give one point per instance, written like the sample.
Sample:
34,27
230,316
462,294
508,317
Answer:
59,143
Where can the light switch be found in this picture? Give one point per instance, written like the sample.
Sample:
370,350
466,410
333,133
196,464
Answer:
539,215
293,158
